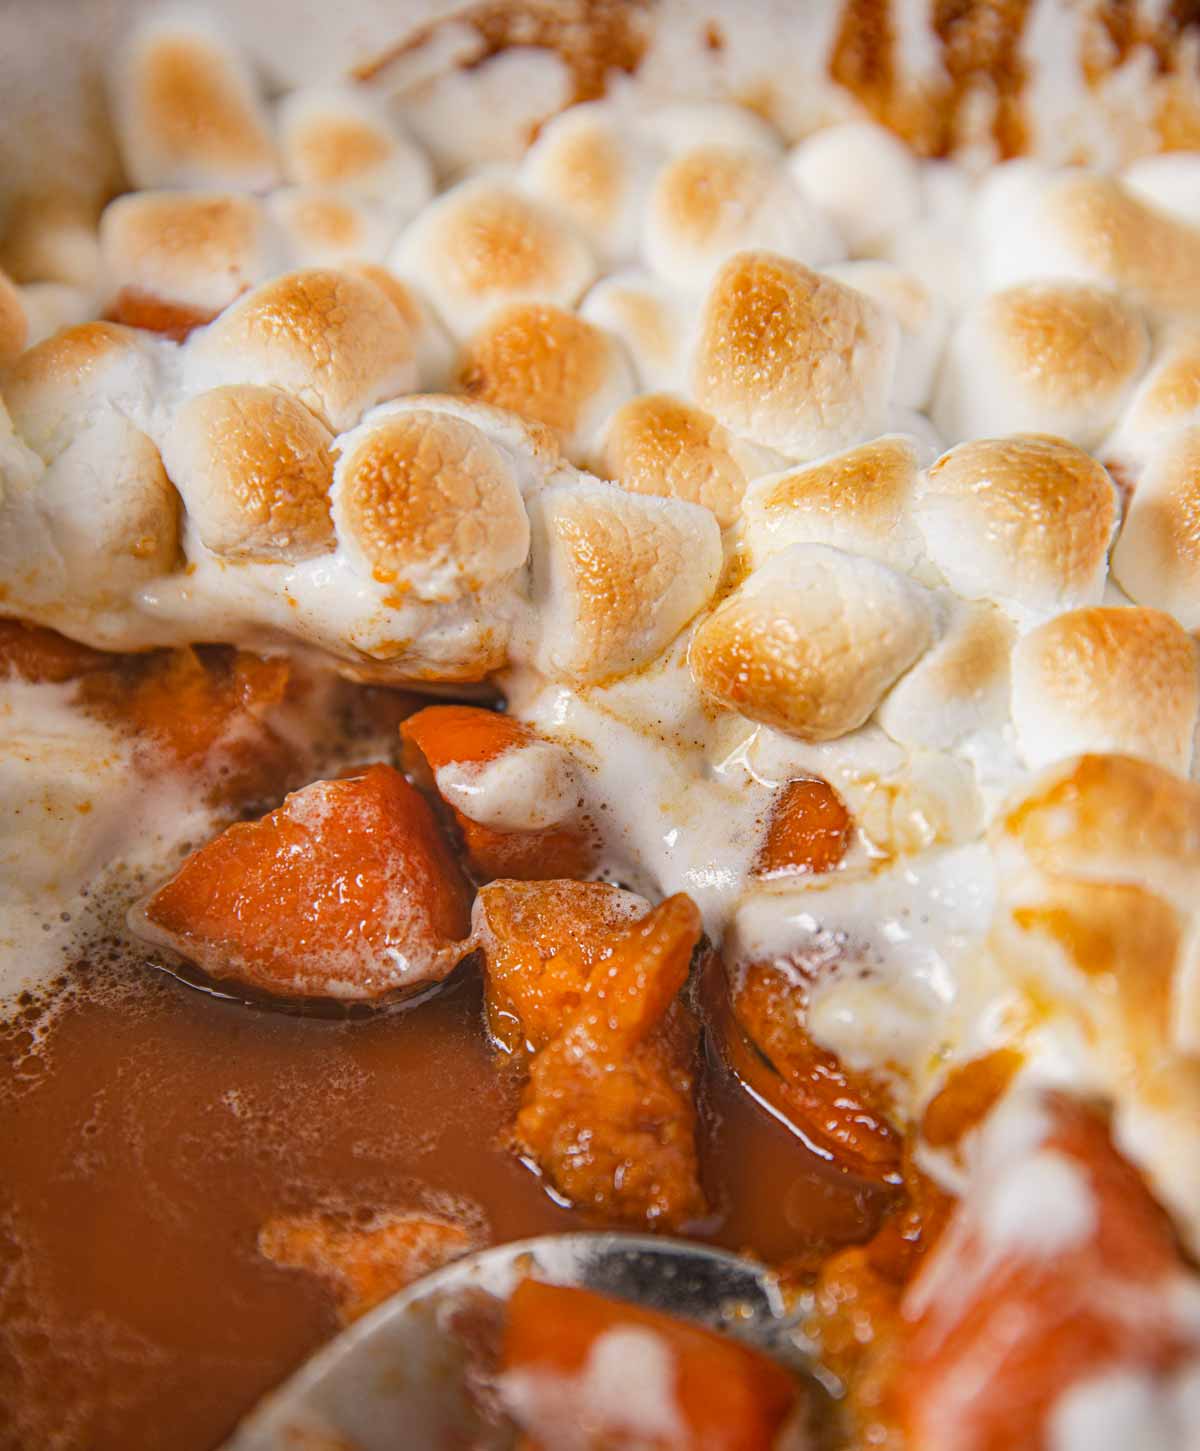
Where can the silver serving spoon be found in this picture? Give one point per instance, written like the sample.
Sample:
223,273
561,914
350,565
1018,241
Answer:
395,1378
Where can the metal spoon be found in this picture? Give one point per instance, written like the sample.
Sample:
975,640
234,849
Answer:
395,1378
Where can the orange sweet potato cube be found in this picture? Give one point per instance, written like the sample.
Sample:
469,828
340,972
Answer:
808,831
466,735
579,1368
347,891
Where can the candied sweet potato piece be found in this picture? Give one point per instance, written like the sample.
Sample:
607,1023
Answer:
808,831
540,942
134,308
44,657
585,1371
470,737
364,1263
1057,1267
761,1025
609,1114
347,890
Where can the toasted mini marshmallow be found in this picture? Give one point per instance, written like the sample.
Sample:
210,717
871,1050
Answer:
432,345
810,641
711,201
658,444
1022,521
483,244
791,359
1170,181
187,109
921,313
531,448
323,229
52,306
426,501
14,322
683,124
1087,227
656,323
864,178
1108,680
254,467
1042,357
329,337
336,138
859,501
1156,560
101,521
189,249
56,388
590,164
549,365
958,687
616,576
1167,398
52,238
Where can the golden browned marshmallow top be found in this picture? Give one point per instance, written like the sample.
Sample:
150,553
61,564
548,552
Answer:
193,249
254,467
549,365
330,337
1113,235
810,641
652,319
54,388
859,500
187,110
1156,560
616,576
483,244
712,200
1025,521
791,359
430,504
660,444
1106,680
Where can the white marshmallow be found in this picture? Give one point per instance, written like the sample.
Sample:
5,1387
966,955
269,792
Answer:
1051,357
187,109
1114,681
616,576
325,229
657,324
483,244
921,313
1156,560
709,202
812,640
862,177
1170,181
793,360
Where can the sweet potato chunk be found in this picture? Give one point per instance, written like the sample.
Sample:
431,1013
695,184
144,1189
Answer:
44,657
1057,1267
204,710
540,942
470,737
363,1263
346,891
135,308
609,1114
584,1371
764,1039
809,830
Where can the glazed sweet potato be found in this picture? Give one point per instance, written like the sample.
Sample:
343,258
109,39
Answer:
596,1374
1058,1268
808,831
540,942
759,1022
609,1113
470,737
363,1263
44,657
346,891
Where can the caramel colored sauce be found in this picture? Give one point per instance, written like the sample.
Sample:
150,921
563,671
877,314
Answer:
152,1130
